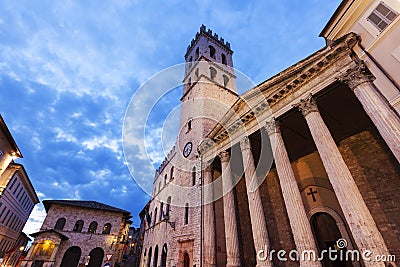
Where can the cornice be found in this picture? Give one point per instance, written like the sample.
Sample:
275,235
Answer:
280,86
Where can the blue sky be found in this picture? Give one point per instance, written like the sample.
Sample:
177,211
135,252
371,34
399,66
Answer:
69,68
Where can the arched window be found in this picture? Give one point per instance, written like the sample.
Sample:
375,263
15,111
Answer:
223,58
189,124
197,53
155,216
213,73
165,179
78,226
212,51
194,176
164,256
149,260
159,186
226,80
107,228
161,211
92,227
186,213
155,261
171,175
190,82
168,206
60,224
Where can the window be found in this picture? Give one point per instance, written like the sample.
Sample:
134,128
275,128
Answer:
171,176
213,73
382,16
194,176
159,186
168,206
92,227
189,124
107,228
186,213
197,73
212,51
190,82
155,216
226,80
13,182
78,226
223,59
161,211
197,53
60,224
165,179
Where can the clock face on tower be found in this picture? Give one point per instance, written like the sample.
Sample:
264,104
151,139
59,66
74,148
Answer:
187,149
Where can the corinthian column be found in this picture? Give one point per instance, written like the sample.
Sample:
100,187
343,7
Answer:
209,227
360,79
362,226
301,228
231,232
258,224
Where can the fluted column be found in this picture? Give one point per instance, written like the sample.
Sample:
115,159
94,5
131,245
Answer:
362,226
209,226
360,79
258,224
301,228
231,231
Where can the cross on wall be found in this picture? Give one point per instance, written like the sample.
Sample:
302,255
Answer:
312,193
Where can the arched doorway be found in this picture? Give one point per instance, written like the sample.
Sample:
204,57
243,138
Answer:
96,257
186,260
155,261
164,256
326,233
71,257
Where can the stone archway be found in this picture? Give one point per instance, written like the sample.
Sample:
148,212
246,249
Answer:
96,257
71,257
326,233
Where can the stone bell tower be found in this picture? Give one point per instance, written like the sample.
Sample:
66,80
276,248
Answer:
209,87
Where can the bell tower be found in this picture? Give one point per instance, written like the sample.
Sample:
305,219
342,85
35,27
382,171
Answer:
209,86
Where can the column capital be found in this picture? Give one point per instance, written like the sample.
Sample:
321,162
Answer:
224,156
245,143
356,76
307,105
272,127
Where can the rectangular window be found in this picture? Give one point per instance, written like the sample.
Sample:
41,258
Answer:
382,16
13,182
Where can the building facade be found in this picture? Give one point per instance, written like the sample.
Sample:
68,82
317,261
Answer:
17,195
308,160
79,233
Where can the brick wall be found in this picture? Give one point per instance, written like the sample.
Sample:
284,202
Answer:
377,175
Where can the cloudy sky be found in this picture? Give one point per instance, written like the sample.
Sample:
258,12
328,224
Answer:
68,70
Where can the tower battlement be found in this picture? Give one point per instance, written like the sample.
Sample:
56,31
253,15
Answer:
209,33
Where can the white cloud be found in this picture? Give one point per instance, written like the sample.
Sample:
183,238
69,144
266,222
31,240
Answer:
35,220
102,141
64,136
